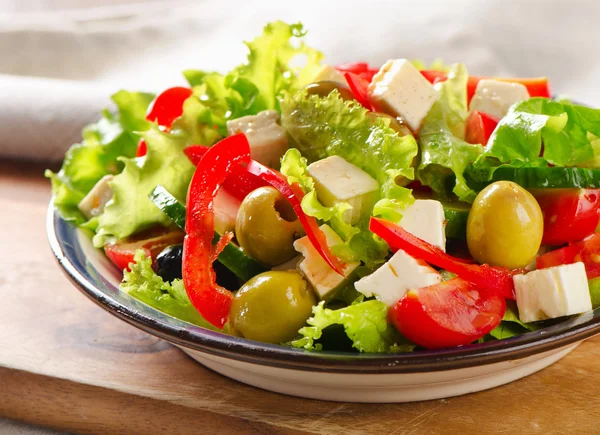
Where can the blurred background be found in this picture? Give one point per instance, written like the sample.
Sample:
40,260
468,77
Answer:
62,59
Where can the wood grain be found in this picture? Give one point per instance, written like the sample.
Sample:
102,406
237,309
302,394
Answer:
67,364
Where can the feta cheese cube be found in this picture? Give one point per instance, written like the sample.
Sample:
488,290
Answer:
226,207
553,292
93,203
321,276
425,219
399,88
268,140
337,180
400,274
495,97
330,74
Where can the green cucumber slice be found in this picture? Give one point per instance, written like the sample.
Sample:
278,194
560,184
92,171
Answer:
456,215
232,257
541,178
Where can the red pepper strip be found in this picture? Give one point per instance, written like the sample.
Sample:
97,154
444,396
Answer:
211,300
294,195
239,184
496,279
165,109
361,69
537,86
360,89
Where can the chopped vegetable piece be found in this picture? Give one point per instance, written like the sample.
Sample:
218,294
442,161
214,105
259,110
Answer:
480,127
452,313
570,215
586,251
152,242
361,69
360,89
497,280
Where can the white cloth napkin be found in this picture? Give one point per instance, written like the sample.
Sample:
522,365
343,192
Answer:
60,66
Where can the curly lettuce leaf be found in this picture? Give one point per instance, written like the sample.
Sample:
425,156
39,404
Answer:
170,298
538,132
130,210
445,154
269,70
365,323
97,155
324,126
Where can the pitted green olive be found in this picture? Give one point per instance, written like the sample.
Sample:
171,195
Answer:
272,306
396,124
505,226
325,87
266,226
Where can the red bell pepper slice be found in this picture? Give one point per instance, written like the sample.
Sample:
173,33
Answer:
211,300
239,184
360,89
451,313
242,181
165,109
294,194
495,279
361,69
587,251
537,86
480,127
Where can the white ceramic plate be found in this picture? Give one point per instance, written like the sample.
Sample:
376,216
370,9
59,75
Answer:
339,376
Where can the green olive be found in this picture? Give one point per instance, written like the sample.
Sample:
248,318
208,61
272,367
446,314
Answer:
397,124
272,306
266,226
325,87
505,226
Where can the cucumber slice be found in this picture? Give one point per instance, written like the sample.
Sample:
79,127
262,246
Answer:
539,178
232,257
456,215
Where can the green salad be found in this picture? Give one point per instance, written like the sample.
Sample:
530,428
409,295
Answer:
348,207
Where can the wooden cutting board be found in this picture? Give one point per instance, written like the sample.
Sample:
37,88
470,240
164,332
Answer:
67,364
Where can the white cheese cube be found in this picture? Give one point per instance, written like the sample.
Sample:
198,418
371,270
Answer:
495,97
400,89
400,274
330,74
226,207
316,270
93,203
337,180
553,292
268,140
425,219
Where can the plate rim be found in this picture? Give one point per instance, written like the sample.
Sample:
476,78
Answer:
219,344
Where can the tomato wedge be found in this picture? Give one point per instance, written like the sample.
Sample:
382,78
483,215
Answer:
496,280
570,215
153,241
452,313
361,69
165,109
360,89
587,251
480,127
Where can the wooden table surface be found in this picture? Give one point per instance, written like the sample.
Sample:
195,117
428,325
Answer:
67,364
